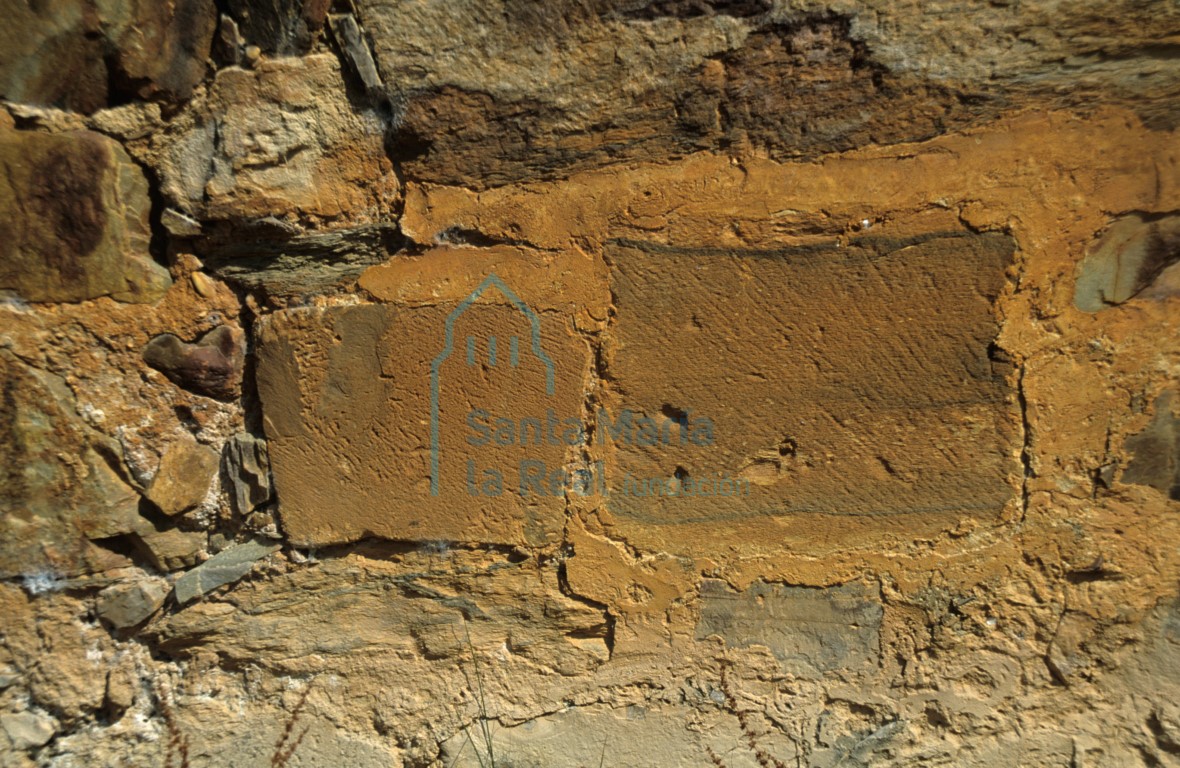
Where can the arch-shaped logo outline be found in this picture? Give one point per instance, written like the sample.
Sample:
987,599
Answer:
448,347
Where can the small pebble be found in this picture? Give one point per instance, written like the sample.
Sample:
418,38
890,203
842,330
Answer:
203,285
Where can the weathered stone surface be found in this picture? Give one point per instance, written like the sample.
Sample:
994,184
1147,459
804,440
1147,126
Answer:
62,484
226,567
54,643
186,471
824,413
622,80
28,730
278,140
82,55
809,630
246,465
1155,452
126,605
396,601
1128,258
634,735
620,166
163,48
348,413
74,220
211,366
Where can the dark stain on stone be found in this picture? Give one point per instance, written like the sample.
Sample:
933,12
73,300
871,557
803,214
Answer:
13,448
65,195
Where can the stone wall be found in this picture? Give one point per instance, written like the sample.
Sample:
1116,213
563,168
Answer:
595,382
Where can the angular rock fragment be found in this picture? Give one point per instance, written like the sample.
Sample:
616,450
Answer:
186,470
1128,258
1155,452
225,567
348,33
60,483
246,466
28,730
263,256
211,366
179,224
126,605
228,44
74,220
171,549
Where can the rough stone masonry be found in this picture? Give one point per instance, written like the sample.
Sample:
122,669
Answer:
565,384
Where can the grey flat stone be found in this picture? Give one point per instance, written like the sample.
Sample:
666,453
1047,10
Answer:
226,567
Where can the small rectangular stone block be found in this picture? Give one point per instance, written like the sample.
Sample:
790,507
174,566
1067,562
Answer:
809,630
835,379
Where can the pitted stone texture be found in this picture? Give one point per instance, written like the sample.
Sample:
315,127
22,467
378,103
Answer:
840,379
74,220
